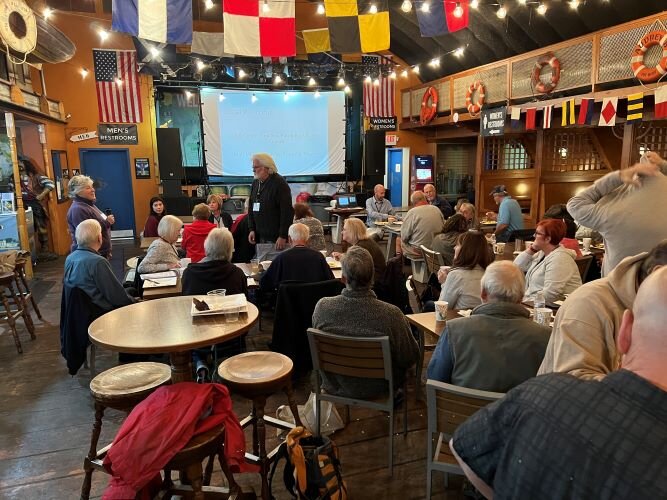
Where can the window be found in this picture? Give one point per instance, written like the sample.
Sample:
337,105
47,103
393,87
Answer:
503,153
571,151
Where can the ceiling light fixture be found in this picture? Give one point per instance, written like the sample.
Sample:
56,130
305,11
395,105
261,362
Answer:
154,51
416,69
434,63
320,9
404,73
392,75
201,65
459,52
47,12
425,7
474,4
458,10
406,6
341,82
277,80
522,2
347,89
542,9
84,72
208,4
574,4
317,94
265,7
242,74
311,81
221,97
373,9
501,13
103,35
253,99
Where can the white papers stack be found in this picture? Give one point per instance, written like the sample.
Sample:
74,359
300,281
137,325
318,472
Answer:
157,280
220,304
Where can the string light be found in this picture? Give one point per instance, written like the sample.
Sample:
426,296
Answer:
367,79
265,7
373,9
435,62
242,74
347,89
574,4
317,94
458,10
208,4
459,52
501,13
542,9
320,9
47,12
416,69
404,73
119,82
522,2
341,82
406,6
392,75
285,97
221,97
154,51
188,94
277,80
84,72
201,65
311,82
474,4
103,35
425,7
376,82
253,99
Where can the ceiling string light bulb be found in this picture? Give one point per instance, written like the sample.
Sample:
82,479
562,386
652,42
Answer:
265,7
253,99
320,9
341,82
201,65
376,82
347,89
404,73
84,72
208,4
221,97
103,35
119,82
416,69
425,7
542,9
312,82
277,80
522,2
47,12
285,97
242,74
373,9
317,94
474,4
459,52
574,4
502,12
392,75
367,79
458,10
406,6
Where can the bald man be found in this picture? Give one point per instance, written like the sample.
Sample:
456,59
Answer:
560,437
433,199
379,209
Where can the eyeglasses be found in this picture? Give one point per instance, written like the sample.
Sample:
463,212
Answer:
256,168
539,234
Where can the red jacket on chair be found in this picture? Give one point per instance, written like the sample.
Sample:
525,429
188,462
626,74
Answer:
162,425
193,239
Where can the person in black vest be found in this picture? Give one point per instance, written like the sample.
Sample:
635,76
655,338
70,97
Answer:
270,213
435,200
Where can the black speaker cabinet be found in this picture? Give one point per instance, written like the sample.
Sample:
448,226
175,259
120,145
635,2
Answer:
169,156
374,152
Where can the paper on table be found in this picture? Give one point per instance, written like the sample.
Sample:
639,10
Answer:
465,312
154,276
160,282
252,282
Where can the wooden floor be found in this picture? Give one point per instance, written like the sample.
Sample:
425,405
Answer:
46,418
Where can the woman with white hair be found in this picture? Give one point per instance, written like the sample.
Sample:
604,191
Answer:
82,192
355,233
215,270
161,254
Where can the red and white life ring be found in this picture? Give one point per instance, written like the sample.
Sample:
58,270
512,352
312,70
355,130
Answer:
475,107
539,85
429,106
644,74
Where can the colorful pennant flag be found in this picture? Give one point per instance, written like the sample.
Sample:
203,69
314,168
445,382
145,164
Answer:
608,112
515,116
530,118
251,30
440,18
316,41
167,21
546,118
586,112
569,116
661,102
209,44
378,99
635,107
353,29
117,86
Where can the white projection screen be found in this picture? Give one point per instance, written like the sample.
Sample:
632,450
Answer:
303,133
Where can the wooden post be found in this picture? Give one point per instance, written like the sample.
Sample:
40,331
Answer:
20,211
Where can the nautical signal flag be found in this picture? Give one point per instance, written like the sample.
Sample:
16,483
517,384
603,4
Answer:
568,117
546,117
166,21
530,118
253,31
608,112
635,107
440,17
316,40
353,28
661,102
515,116
586,112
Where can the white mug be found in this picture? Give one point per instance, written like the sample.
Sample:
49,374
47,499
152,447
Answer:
441,310
587,244
543,316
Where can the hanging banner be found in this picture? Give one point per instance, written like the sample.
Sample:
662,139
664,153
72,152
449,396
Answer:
493,121
118,134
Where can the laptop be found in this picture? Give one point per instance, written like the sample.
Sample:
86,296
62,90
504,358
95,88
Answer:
347,201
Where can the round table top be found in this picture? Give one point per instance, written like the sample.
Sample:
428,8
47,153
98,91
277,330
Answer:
165,325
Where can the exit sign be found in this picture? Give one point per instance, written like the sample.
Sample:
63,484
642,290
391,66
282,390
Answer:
391,139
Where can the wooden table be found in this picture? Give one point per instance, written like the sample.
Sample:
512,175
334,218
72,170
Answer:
163,291
341,214
165,325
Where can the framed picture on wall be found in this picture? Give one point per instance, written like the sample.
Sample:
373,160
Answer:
142,168
75,171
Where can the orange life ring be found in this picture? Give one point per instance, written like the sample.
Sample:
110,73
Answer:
477,106
429,109
539,85
644,74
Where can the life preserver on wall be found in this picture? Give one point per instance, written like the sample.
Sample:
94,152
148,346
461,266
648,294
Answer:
539,85
644,74
429,106
18,26
475,107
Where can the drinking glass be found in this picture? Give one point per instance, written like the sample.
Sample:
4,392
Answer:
220,292
254,266
232,317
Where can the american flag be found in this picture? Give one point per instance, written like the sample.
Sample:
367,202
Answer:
378,99
117,85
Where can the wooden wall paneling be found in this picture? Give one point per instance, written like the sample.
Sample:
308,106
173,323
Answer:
535,212
607,143
628,139
479,159
521,185
601,150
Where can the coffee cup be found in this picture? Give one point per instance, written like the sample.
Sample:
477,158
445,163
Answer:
499,248
587,244
518,244
543,316
441,310
528,244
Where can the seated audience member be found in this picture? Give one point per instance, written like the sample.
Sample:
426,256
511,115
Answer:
243,249
445,242
558,437
354,233
215,270
435,200
460,285
498,346
583,342
622,207
161,254
218,216
194,234
420,225
157,211
299,263
549,267
559,211
86,269
470,213
379,209
304,215
357,312
509,218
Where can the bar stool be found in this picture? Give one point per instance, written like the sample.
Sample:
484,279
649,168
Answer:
7,281
255,376
23,288
121,388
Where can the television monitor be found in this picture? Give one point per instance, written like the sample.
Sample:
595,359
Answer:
424,174
343,201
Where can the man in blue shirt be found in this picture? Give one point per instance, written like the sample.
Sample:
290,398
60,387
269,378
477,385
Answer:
379,209
509,216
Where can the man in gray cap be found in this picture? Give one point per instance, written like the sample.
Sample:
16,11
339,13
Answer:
509,216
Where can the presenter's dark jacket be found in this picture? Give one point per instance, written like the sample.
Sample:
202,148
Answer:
275,213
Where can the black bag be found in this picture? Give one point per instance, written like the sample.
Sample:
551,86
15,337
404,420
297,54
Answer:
312,469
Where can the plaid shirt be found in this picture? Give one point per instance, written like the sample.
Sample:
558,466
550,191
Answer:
559,437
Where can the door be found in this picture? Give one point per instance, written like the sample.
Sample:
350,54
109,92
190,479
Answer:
110,171
395,170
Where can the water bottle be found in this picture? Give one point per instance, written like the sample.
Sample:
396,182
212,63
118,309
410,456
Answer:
539,303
